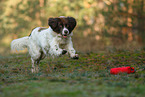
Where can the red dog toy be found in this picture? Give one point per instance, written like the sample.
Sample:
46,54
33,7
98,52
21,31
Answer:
122,70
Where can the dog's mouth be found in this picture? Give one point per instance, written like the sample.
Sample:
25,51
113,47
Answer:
64,36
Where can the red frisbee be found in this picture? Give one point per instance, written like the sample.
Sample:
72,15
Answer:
127,70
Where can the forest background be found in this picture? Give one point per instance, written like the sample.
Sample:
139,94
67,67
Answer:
101,24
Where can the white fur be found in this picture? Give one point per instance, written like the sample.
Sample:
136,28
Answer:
19,44
44,43
64,30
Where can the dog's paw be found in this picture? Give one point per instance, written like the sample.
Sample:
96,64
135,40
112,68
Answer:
64,51
76,56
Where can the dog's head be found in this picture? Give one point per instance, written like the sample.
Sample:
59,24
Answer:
62,25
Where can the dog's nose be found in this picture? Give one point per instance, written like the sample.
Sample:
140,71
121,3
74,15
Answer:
65,31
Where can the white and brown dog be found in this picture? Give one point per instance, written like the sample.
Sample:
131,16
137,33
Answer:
53,41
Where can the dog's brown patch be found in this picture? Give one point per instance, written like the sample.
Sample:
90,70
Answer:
41,28
57,24
63,20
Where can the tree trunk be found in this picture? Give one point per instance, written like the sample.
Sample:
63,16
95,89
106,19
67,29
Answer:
141,21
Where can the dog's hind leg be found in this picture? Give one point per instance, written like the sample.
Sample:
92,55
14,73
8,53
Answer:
35,65
35,62
36,54
42,56
33,70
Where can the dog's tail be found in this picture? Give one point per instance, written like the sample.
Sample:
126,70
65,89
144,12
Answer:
20,43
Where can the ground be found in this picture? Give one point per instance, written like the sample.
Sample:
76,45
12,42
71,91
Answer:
64,77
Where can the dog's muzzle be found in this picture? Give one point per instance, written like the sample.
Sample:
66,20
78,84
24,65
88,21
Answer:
65,33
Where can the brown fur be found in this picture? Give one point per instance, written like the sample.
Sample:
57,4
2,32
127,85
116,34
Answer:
68,22
63,20
41,28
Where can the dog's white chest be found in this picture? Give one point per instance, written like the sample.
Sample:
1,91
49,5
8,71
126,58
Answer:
61,40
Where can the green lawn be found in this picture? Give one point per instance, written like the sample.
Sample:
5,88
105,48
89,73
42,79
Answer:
64,77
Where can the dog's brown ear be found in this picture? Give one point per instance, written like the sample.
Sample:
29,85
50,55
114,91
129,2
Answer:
72,23
53,23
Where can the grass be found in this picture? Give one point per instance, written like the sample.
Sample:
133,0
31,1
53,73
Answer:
64,77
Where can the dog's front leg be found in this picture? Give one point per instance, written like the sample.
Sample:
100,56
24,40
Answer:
55,49
71,50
